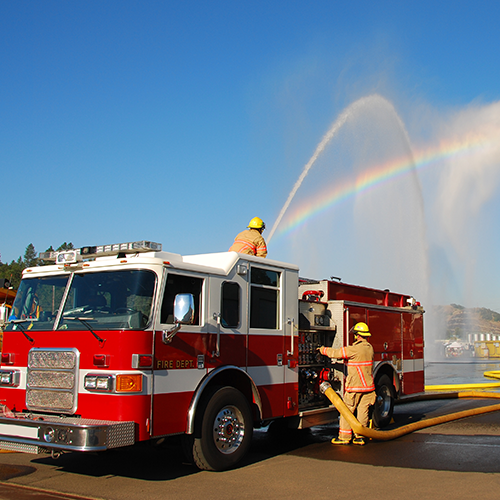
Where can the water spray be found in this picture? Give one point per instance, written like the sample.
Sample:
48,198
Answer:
332,132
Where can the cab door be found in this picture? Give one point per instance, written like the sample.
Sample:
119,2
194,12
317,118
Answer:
227,321
273,338
180,364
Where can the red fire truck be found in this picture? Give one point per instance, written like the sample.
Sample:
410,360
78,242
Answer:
116,344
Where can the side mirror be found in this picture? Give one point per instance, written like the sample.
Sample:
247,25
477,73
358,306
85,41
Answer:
4,315
184,308
183,314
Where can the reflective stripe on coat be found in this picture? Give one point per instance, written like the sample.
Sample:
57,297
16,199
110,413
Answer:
250,242
359,358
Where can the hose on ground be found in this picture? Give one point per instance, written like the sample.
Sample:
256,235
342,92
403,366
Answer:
484,385
379,435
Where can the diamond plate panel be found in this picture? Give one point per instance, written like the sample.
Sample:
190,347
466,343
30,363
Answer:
23,448
121,434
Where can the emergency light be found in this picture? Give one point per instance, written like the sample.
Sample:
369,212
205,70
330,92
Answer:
67,257
78,254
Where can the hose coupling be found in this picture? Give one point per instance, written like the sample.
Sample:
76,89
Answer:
324,386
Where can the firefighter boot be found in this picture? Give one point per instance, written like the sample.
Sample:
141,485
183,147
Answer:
359,441
339,441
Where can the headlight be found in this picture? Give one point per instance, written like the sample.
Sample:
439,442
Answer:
10,377
100,383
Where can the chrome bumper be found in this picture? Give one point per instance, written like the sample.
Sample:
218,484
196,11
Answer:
44,433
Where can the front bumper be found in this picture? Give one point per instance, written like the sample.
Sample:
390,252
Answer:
46,433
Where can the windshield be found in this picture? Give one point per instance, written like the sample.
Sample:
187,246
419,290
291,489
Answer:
108,300
37,302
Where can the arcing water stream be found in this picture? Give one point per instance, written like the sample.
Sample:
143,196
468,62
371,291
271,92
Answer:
348,113
382,229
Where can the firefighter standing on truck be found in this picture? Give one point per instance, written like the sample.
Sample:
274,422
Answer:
250,241
359,386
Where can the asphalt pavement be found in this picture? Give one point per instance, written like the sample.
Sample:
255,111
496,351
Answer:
456,460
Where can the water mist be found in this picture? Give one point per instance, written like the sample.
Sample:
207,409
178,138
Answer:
381,229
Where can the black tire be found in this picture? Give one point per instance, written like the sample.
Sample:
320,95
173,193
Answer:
225,431
384,404
187,441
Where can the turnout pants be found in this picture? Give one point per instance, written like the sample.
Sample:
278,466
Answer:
359,404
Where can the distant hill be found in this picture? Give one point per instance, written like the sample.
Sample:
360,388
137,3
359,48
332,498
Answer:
461,321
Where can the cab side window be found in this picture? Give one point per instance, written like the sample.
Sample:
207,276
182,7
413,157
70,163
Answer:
178,283
264,298
230,306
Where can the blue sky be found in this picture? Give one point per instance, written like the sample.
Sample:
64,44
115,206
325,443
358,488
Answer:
180,121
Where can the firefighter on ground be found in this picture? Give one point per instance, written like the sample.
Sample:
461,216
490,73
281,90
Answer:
250,241
359,386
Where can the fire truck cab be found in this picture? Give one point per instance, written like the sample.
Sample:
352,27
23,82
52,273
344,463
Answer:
123,343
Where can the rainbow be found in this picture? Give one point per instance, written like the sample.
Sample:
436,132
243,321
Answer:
376,176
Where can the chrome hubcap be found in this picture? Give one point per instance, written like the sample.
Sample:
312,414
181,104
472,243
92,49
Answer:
228,429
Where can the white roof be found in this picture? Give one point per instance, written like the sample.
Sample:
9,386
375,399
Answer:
215,263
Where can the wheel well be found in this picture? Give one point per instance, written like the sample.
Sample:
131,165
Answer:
388,370
225,377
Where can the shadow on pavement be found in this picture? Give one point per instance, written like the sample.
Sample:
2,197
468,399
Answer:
8,471
165,462
451,447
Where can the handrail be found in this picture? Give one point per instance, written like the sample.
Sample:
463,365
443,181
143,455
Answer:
291,322
216,353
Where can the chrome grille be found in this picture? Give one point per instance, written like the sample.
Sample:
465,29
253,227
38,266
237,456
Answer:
55,379
52,359
52,383
49,400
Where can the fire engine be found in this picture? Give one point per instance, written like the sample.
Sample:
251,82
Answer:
112,345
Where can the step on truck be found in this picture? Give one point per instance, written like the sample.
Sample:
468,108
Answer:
112,345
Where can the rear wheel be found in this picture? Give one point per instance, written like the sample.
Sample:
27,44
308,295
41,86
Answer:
225,430
384,404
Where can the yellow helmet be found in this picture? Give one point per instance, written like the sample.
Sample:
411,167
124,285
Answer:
257,223
362,329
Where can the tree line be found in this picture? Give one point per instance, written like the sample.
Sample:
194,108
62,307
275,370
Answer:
13,271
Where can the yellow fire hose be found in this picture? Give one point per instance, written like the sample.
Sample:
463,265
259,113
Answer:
485,385
378,435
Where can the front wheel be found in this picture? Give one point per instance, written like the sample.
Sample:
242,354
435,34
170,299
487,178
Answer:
225,432
384,404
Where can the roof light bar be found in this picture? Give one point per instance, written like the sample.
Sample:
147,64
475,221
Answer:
78,254
68,257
